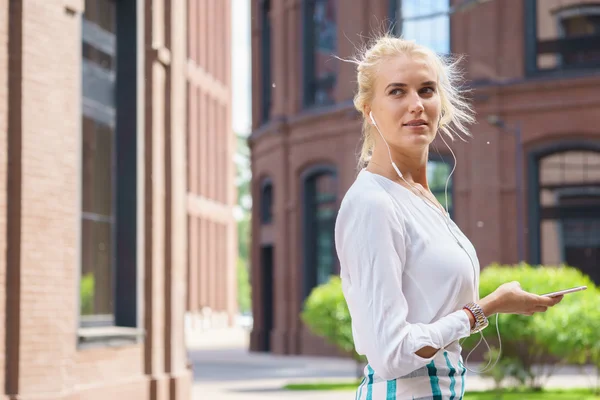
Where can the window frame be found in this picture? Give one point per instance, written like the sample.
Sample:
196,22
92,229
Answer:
534,207
308,268
126,288
532,45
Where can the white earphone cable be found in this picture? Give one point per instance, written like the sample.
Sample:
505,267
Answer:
487,367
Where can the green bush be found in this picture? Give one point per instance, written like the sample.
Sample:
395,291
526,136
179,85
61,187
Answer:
566,332
326,314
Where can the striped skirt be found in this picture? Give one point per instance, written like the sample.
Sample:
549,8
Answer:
442,379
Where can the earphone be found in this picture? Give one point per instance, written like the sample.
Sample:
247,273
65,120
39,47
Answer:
487,367
388,147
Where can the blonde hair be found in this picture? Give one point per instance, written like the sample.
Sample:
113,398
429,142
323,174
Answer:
456,112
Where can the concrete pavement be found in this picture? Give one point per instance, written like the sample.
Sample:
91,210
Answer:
225,370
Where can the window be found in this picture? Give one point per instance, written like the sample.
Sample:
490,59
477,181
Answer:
98,160
108,287
427,22
320,210
266,59
320,44
438,171
266,203
562,35
569,210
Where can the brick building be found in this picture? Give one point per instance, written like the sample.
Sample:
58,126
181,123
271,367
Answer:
526,186
117,193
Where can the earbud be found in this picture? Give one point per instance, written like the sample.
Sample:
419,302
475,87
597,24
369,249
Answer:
388,147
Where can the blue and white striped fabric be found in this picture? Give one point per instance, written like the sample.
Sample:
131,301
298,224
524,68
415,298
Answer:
442,379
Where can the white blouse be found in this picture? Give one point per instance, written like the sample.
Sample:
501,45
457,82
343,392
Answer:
404,275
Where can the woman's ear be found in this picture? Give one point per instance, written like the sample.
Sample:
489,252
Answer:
367,112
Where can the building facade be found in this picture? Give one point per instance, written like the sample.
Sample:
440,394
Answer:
112,113
525,188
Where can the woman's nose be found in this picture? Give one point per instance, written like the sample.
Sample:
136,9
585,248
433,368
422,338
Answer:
416,103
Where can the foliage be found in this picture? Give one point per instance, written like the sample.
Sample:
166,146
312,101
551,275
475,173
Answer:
244,223
86,294
326,314
566,332
244,289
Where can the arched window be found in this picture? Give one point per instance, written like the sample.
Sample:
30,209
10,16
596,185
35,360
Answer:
320,210
568,209
266,202
320,44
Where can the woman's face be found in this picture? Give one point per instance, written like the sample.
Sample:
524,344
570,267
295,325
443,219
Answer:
406,105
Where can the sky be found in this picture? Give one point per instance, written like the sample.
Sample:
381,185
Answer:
241,83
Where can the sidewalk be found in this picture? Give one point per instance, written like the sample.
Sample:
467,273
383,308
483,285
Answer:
225,370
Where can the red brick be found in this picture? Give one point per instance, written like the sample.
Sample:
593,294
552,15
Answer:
44,358
485,183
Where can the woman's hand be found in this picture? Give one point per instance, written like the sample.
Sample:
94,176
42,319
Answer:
509,298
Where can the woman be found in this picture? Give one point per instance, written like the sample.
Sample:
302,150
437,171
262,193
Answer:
410,277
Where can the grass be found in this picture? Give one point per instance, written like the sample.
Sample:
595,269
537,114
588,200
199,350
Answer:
570,394
324,386
516,394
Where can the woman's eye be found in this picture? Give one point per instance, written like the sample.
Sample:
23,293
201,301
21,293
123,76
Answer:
396,92
428,90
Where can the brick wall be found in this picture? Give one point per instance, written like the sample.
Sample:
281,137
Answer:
50,190
43,216
3,173
212,257
485,183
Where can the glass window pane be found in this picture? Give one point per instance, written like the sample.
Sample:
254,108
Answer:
325,46
570,210
433,30
96,278
102,13
267,204
570,168
98,178
567,34
320,223
551,243
97,168
437,174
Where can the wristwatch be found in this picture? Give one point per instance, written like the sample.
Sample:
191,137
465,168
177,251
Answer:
481,321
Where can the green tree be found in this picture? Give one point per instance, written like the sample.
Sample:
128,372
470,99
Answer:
244,222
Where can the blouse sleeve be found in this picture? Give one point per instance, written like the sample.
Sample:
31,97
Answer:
371,245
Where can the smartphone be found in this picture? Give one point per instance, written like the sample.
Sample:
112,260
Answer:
566,291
